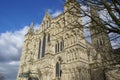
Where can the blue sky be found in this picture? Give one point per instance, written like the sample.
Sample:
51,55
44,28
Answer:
15,18
15,14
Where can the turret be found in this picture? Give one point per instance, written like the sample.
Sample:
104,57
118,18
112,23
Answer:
26,52
31,29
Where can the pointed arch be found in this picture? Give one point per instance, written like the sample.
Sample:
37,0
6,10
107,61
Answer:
44,45
58,47
61,47
58,72
57,69
55,48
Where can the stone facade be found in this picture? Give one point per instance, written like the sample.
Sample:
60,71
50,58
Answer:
58,49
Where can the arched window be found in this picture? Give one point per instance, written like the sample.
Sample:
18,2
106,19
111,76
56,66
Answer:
61,46
48,37
55,48
44,45
58,47
47,24
39,51
58,72
57,69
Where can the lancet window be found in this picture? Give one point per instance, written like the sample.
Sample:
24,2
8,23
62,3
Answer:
44,45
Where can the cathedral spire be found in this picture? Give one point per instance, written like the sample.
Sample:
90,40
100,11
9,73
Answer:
31,29
47,13
32,25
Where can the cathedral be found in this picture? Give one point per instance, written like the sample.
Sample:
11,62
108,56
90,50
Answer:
58,50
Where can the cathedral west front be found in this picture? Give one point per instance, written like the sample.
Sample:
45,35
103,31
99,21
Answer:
58,50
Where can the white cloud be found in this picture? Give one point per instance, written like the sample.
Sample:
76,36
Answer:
11,44
10,50
36,26
54,13
14,63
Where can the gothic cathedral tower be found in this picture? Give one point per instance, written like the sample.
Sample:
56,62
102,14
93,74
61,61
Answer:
102,45
99,36
76,58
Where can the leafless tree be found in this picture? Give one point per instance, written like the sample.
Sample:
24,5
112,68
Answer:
108,13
